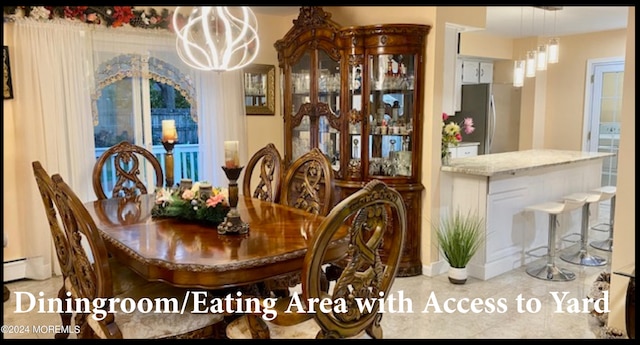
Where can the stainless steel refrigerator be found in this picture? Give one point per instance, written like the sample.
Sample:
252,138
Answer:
495,110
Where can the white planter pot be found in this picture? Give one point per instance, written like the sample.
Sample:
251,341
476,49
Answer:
458,275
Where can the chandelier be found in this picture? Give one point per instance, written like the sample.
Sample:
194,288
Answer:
216,38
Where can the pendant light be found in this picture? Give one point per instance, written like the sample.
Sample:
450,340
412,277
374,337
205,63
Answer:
518,73
532,63
216,38
541,64
554,50
519,64
554,43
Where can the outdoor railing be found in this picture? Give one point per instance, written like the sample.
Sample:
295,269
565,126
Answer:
185,158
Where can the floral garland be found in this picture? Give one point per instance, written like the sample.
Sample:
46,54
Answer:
111,16
200,203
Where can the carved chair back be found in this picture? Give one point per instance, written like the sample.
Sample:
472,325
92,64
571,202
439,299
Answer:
95,276
46,188
127,167
376,218
90,259
374,214
270,175
60,241
308,183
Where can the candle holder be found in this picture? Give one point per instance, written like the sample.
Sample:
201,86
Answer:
168,163
232,223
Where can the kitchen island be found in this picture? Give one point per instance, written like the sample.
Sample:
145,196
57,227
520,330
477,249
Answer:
499,187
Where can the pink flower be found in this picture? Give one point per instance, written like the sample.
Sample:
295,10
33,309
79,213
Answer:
468,125
214,200
445,116
188,194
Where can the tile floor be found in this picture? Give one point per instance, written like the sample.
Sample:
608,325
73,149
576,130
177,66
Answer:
431,293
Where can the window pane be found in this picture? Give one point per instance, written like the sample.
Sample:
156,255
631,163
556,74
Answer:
115,115
168,104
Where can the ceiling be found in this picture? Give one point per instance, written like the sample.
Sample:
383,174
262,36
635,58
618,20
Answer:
525,21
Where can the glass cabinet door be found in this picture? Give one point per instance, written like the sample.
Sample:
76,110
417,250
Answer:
301,106
391,115
354,106
328,107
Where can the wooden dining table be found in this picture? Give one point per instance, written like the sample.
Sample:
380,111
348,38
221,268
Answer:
194,255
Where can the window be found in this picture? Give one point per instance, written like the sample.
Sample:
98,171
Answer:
134,94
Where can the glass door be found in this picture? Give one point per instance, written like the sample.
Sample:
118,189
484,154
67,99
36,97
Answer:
391,111
605,116
301,109
354,107
328,108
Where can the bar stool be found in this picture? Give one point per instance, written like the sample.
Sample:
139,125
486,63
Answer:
606,193
582,256
549,270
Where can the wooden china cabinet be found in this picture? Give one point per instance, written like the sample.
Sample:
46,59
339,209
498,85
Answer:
356,93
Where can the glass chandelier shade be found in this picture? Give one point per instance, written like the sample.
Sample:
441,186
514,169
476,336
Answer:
216,38
553,51
541,64
518,73
531,63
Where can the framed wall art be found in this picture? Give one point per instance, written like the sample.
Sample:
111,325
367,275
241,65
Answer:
260,89
8,87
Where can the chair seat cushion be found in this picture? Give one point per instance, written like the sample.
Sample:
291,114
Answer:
139,325
239,329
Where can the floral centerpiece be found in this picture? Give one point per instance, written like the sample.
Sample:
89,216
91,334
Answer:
200,203
451,134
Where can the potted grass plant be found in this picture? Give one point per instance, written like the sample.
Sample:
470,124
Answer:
459,238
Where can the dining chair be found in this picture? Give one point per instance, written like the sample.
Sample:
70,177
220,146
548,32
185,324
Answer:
308,183
125,278
94,278
270,175
123,160
375,217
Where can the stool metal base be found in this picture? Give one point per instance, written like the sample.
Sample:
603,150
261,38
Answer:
606,245
551,272
582,257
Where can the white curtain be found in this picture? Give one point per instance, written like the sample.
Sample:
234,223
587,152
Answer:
54,81
221,118
52,125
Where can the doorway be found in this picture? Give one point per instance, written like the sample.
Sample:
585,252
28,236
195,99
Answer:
603,112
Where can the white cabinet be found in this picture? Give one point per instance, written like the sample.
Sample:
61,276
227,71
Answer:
451,81
477,72
502,199
464,150
467,151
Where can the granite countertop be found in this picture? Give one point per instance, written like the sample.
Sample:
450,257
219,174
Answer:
509,163
468,143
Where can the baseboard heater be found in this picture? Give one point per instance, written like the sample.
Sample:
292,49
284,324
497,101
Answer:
14,270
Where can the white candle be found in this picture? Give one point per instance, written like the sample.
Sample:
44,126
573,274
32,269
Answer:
231,158
169,133
205,189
